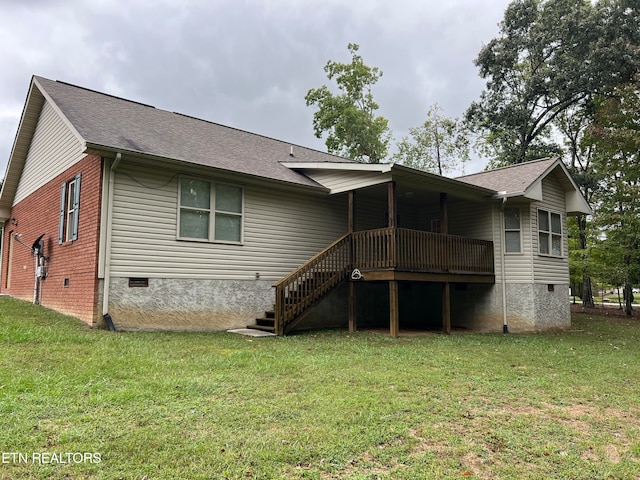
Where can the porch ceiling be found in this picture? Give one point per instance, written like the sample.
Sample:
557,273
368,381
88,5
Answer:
414,193
429,186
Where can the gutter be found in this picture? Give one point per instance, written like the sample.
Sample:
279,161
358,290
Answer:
107,263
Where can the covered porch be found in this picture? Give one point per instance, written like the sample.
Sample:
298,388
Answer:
408,258
398,235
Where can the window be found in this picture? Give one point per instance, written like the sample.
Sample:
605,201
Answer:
436,226
549,233
512,228
69,210
210,211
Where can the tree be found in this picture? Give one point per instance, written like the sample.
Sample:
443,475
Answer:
573,123
439,145
615,135
550,55
348,118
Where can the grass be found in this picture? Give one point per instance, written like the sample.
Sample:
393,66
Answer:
317,405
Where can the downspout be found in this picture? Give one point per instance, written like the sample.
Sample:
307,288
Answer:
505,328
107,257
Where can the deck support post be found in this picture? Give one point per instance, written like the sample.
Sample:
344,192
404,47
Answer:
446,307
352,307
394,311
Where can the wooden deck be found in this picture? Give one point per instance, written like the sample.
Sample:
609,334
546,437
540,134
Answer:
385,254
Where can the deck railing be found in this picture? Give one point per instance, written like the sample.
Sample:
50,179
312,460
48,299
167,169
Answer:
417,251
381,249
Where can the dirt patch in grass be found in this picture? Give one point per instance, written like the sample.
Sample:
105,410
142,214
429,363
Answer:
607,311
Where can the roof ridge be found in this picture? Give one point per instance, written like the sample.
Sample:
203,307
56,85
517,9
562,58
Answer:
212,122
104,94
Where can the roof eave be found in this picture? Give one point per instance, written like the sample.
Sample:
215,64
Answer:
107,150
26,128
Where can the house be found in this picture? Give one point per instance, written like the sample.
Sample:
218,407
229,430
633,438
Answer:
156,220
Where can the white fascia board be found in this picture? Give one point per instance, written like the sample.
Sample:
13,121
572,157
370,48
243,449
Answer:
361,167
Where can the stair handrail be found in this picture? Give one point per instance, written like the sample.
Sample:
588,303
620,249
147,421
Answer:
333,264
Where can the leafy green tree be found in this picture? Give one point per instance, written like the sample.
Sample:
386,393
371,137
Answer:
616,137
348,118
439,145
550,55
572,124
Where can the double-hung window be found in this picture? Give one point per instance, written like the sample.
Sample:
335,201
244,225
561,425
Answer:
549,233
512,230
210,211
69,210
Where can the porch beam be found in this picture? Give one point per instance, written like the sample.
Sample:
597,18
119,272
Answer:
386,275
446,307
394,310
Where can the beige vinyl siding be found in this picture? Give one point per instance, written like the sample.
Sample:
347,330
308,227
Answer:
518,266
342,180
548,269
54,149
282,229
469,219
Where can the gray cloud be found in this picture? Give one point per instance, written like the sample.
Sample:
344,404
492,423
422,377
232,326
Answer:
247,63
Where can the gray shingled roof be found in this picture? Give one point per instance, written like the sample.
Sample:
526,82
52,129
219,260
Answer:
514,179
122,125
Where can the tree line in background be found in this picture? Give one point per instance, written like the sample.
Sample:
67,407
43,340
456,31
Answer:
563,80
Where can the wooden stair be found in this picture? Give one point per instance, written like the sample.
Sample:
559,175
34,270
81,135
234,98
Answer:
266,323
305,286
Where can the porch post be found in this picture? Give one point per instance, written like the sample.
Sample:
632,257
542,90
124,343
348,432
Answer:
352,284
394,310
444,211
351,213
446,308
391,206
391,202
394,314
444,229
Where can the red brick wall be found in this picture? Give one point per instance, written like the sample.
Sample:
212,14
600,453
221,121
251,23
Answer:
76,260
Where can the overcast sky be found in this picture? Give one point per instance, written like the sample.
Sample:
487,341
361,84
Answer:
246,63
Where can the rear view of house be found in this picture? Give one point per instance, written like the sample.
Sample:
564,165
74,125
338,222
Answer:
164,221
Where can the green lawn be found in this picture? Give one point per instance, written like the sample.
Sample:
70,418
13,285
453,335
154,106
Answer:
316,405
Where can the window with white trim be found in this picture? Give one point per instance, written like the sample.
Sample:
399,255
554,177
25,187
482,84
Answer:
549,233
209,211
512,230
69,210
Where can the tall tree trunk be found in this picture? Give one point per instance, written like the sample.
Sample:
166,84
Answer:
587,292
628,297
